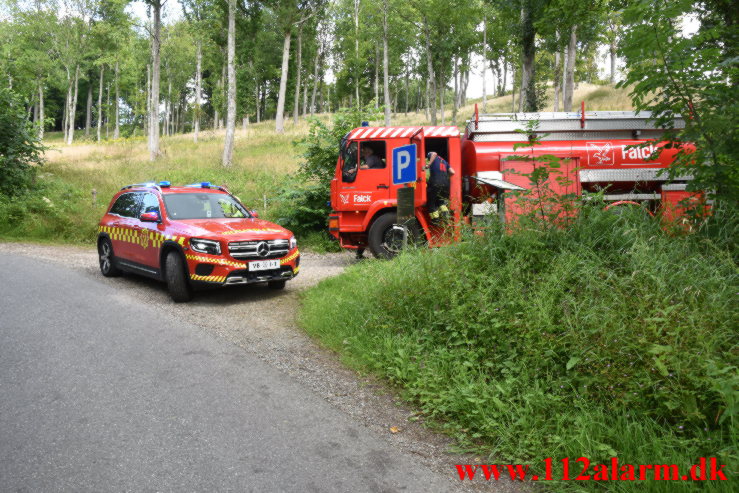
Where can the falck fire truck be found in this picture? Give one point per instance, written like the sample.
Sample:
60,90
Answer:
607,151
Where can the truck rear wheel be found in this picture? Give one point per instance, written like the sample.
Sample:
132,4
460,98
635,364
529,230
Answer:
386,241
176,275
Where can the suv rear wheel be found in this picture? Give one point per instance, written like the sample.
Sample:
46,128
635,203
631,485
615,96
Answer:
177,279
107,261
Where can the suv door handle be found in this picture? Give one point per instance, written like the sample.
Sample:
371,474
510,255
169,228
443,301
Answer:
382,185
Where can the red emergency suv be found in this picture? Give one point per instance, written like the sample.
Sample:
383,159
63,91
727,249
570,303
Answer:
196,235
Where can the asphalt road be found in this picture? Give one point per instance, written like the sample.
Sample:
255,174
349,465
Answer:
101,392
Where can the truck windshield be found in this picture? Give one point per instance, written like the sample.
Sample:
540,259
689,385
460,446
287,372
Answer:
349,169
203,206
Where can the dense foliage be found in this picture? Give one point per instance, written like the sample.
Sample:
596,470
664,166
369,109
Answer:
20,148
607,338
673,70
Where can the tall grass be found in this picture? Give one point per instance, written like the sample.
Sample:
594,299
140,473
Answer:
607,339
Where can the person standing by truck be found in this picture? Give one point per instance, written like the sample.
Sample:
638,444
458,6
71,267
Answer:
438,185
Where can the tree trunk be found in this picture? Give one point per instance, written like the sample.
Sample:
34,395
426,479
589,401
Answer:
198,79
556,77
256,88
117,132
88,112
484,62
228,147
67,99
356,50
385,64
441,87
147,120
407,92
100,100
613,48
430,68
73,106
107,112
155,60
455,78
570,70
41,110
528,101
513,88
319,59
298,74
279,118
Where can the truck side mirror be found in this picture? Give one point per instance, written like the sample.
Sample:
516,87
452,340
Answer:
254,214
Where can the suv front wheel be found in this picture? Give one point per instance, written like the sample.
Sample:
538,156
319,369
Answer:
177,278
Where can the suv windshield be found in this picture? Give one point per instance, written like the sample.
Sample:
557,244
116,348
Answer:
203,206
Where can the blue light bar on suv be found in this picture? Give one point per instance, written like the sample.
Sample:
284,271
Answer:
164,184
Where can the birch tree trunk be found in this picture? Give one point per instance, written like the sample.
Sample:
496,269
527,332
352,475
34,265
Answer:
455,99
385,64
67,103
613,46
528,100
570,70
198,76
228,147
41,109
88,113
441,86
147,120
319,58
356,50
107,112
279,118
298,73
305,95
155,61
256,89
73,106
556,76
431,78
100,100
377,77
117,132
484,62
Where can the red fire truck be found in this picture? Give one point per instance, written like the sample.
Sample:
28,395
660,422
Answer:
599,151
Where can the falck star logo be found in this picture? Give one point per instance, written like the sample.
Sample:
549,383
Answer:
344,198
600,153
262,249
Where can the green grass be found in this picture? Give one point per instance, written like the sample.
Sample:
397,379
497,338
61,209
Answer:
608,339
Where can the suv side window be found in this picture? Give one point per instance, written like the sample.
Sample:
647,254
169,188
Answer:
127,205
150,203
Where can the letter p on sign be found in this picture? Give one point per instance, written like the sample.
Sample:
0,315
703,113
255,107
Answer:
404,164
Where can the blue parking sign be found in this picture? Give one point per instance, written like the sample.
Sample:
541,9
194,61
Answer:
404,164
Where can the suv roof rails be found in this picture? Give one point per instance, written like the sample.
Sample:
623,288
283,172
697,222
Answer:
150,184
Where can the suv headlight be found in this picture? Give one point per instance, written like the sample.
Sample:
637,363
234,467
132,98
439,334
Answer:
293,242
205,246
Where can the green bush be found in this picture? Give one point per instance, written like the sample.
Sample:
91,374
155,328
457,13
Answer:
588,341
20,147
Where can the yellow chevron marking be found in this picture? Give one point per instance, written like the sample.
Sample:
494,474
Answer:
290,258
219,261
196,277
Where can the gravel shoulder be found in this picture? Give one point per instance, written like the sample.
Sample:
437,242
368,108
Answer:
262,321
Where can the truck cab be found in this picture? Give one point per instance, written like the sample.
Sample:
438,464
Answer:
364,199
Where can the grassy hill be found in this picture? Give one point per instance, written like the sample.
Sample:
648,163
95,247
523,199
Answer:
64,210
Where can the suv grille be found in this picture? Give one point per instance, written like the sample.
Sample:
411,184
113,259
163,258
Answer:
268,249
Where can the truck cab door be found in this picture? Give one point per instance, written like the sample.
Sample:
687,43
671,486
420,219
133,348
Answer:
365,176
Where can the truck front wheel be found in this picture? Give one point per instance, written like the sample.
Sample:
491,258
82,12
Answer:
386,240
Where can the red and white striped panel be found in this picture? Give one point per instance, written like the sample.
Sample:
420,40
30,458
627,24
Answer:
440,132
383,132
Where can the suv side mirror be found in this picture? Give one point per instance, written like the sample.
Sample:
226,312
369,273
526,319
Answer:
254,214
149,217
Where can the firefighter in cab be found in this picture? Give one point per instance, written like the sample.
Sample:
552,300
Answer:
438,185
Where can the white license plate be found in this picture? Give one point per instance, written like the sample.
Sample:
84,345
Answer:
264,265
